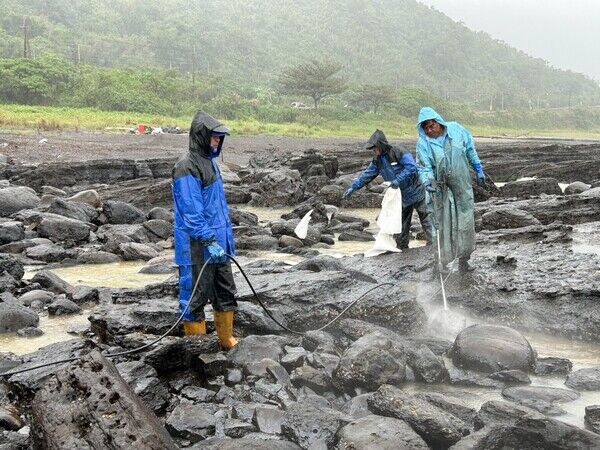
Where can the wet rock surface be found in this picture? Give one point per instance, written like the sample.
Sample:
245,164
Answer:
379,432
437,427
329,389
492,348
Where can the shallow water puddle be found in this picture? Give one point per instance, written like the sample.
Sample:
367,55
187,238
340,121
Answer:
113,275
55,330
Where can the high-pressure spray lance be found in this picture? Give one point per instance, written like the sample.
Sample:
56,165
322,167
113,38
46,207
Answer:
187,307
438,186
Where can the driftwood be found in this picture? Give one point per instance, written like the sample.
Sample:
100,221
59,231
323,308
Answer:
89,406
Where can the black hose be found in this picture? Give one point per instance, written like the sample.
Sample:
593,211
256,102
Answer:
328,324
185,310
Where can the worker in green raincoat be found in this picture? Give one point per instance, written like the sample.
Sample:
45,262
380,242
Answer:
445,151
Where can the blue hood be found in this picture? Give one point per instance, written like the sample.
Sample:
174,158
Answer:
428,113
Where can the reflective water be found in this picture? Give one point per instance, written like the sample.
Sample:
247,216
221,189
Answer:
55,330
122,274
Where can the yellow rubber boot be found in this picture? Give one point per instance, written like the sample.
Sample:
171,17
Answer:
224,325
192,328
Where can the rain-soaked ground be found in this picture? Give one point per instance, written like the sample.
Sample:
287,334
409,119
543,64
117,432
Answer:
445,324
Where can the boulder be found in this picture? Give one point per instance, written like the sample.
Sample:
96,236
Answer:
531,433
553,366
62,229
254,441
370,362
62,306
160,228
281,187
237,195
54,191
118,213
576,188
426,365
160,264
73,210
491,348
258,242
36,295
356,235
495,412
507,217
17,198
592,418
385,433
14,316
289,241
11,265
254,348
312,426
89,197
529,188
437,427
132,251
11,232
52,282
584,379
158,213
47,253
97,257
540,398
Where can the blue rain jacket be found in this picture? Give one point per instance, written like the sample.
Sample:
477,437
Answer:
457,134
394,165
200,207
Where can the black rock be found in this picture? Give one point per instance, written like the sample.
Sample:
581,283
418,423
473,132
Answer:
254,348
191,422
541,398
584,379
553,366
62,306
52,282
500,412
268,419
386,433
14,316
29,332
144,381
312,426
437,427
491,348
592,418
370,362
122,213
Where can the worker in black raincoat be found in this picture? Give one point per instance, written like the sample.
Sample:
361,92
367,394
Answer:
396,165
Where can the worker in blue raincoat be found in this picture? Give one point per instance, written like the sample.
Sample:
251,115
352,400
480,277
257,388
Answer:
203,231
445,150
396,165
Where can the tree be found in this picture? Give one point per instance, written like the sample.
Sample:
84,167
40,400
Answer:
315,79
375,96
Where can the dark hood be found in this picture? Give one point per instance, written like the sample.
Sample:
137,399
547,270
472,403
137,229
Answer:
378,139
202,126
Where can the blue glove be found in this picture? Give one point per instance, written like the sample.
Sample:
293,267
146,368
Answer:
348,193
480,175
217,254
394,184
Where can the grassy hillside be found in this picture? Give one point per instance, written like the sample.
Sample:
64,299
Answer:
395,42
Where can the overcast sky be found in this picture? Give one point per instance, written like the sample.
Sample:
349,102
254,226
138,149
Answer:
564,32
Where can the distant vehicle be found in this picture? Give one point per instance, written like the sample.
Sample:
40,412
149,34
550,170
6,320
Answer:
299,105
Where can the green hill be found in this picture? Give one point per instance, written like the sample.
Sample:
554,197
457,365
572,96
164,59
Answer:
395,42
